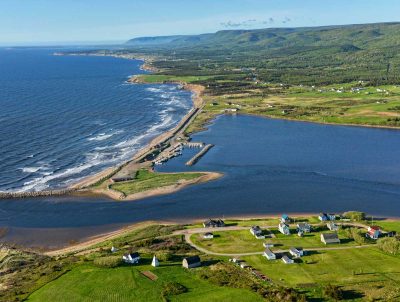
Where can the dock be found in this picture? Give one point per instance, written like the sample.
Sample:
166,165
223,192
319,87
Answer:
197,157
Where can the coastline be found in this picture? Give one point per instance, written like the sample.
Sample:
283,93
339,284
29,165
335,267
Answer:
86,184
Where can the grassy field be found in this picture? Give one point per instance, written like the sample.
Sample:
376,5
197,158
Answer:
159,78
90,283
243,241
146,180
353,268
230,242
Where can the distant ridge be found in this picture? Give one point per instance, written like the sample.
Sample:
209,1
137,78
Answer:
351,37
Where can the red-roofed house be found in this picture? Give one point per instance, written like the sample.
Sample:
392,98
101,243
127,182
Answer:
374,232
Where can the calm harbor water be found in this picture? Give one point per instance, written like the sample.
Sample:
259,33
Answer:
65,117
270,166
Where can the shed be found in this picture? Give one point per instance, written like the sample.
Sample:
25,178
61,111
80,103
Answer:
191,262
330,238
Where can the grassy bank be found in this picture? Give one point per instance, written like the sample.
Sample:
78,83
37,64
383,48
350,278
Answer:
146,180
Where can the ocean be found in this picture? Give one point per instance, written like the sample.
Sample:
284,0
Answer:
63,118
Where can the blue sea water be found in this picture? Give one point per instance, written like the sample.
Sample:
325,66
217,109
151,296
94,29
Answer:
65,117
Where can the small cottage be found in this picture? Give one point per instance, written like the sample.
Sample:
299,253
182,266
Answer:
285,218
374,232
268,245
114,249
332,226
287,260
296,252
330,238
323,217
269,254
284,229
303,227
191,262
208,236
213,223
131,258
257,232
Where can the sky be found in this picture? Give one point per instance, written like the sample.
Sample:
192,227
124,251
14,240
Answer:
40,22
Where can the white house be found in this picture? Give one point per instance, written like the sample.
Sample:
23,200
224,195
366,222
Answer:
269,254
155,261
208,236
296,252
132,258
268,244
332,226
284,229
113,249
256,230
287,260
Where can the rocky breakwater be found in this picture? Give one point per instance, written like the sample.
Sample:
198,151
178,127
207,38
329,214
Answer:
10,195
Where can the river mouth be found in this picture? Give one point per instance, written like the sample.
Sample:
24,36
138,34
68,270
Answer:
270,167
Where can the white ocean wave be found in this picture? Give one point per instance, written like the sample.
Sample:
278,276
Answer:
153,89
104,136
30,169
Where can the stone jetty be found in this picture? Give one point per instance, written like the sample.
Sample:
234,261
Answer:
196,158
9,195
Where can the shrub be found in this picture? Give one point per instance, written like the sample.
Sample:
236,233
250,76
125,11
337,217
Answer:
110,261
389,245
172,289
333,292
164,256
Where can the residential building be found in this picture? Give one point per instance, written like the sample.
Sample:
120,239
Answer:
285,218
284,229
374,232
303,227
208,236
269,254
332,226
296,252
131,258
213,223
287,260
